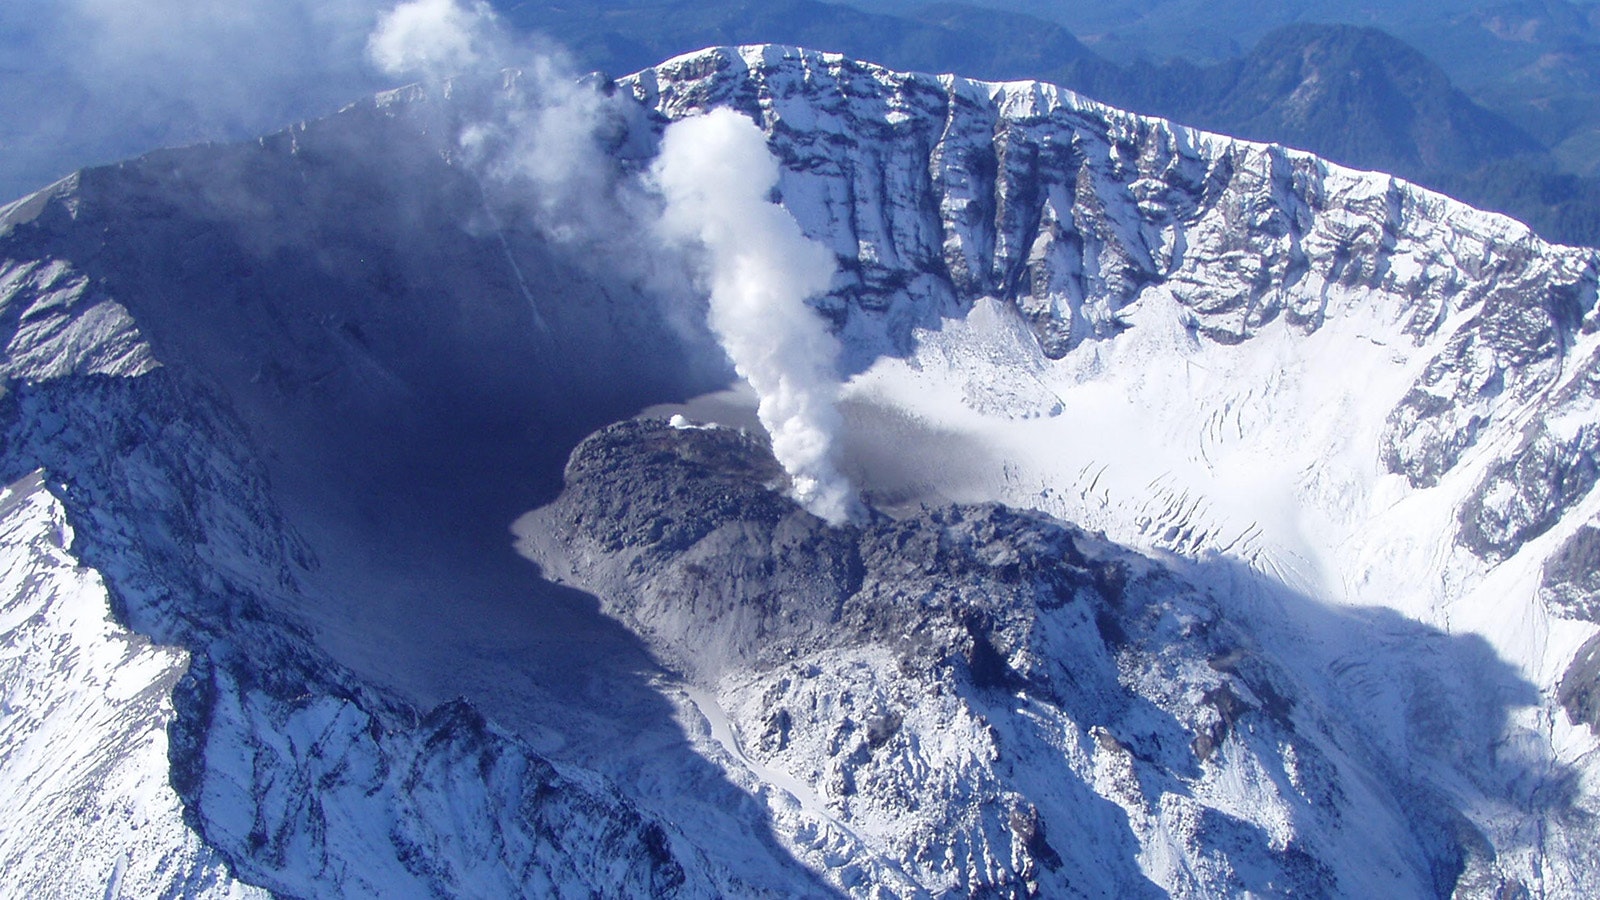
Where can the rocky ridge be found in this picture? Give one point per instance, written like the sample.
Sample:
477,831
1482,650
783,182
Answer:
988,701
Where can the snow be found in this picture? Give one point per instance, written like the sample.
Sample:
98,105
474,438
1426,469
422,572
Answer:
1261,454
66,327
724,733
88,810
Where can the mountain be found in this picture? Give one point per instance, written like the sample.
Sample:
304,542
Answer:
1352,94
625,36
1532,61
1550,52
87,85
1476,40
1231,516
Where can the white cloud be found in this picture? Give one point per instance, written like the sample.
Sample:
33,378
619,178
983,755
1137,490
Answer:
436,38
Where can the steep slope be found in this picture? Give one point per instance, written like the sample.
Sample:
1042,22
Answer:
295,775
281,387
86,713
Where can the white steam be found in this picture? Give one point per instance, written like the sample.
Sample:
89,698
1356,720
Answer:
532,136
96,80
434,37
542,142
716,174
91,81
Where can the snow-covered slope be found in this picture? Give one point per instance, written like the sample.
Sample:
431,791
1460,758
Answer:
83,757
248,754
1323,622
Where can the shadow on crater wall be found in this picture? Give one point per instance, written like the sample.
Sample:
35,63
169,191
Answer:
409,377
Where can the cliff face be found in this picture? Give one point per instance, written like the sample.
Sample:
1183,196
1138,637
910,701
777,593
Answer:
942,190
938,192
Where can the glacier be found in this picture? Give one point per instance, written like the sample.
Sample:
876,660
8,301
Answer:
1233,533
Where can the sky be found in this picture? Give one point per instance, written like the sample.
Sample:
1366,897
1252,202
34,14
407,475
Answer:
94,81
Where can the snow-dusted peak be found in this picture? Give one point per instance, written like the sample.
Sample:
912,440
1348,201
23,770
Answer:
936,191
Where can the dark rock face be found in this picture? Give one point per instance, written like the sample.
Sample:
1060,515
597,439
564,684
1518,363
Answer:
740,574
856,652
1579,690
1554,465
1571,577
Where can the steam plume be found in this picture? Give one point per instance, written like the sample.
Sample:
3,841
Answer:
534,135
715,173
434,37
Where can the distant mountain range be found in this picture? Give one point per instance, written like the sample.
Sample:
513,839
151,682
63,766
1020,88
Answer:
1537,61
1353,94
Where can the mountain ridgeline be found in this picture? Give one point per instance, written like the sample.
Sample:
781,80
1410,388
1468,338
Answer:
1351,94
